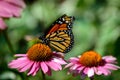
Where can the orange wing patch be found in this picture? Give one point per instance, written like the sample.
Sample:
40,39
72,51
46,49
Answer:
58,27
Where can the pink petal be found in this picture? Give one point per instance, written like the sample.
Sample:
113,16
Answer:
17,63
111,67
81,68
104,71
20,65
44,67
90,72
26,67
11,9
14,10
32,70
58,54
19,60
55,66
4,10
75,66
85,71
2,24
17,3
109,59
97,71
74,60
68,65
49,72
60,61
24,55
36,69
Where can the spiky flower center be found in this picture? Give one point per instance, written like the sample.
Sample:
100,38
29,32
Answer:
90,59
39,52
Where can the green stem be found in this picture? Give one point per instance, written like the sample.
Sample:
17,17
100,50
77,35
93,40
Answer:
8,41
43,76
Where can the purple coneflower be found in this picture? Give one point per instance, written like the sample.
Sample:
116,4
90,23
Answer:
39,56
91,63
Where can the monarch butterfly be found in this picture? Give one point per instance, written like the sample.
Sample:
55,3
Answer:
60,36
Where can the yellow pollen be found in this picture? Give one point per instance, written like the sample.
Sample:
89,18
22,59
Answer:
39,52
90,59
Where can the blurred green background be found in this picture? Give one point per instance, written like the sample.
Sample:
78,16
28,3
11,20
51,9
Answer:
97,27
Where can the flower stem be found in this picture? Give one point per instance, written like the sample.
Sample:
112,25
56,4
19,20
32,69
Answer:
88,78
8,41
91,78
43,76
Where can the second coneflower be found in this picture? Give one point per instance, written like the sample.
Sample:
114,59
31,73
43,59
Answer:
91,63
39,56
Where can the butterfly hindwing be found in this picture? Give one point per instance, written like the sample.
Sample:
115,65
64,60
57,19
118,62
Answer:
61,40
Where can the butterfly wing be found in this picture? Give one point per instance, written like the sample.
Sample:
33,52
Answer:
61,40
63,23
60,36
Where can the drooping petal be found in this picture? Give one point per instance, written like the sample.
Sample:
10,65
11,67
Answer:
90,72
85,71
32,70
49,72
97,71
37,68
44,67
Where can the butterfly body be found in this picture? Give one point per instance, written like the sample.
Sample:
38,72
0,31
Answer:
60,35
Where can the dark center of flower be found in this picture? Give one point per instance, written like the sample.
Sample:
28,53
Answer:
39,52
90,59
